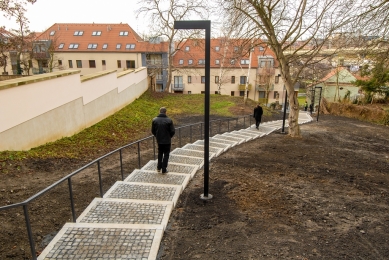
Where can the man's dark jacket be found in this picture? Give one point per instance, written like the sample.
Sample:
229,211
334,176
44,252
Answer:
163,129
258,113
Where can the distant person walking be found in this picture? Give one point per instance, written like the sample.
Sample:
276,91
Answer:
306,106
258,111
163,129
311,108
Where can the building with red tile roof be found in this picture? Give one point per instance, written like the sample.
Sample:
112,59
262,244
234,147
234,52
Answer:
230,66
97,47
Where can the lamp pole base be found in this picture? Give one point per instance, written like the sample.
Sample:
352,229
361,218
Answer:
206,198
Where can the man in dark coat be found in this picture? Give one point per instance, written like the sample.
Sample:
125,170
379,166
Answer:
258,111
163,129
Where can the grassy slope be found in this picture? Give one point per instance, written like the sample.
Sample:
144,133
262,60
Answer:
127,125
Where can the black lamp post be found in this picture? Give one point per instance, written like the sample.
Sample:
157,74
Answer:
206,24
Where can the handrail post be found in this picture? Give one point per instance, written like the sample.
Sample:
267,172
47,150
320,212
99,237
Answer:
121,164
101,184
29,232
71,199
139,163
190,131
154,146
179,136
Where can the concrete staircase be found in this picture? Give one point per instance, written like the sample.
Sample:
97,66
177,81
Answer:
129,221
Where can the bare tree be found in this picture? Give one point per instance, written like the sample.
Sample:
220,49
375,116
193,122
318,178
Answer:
285,23
5,47
163,13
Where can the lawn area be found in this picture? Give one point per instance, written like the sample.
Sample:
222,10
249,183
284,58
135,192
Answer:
129,124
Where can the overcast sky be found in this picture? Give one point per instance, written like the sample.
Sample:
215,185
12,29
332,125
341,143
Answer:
45,13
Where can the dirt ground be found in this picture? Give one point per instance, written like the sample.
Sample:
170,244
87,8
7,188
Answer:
322,196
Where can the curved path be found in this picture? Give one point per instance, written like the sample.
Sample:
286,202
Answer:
129,221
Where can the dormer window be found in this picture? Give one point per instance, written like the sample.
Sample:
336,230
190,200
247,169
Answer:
236,48
96,33
201,62
61,46
245,62
52,33
190,62
73,46
92,46
105,45
181,62
217,48
118,46
187,48
123,33
78,33
130,46
232,61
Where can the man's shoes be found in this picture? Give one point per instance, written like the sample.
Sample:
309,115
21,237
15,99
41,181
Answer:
165,171
158,170
257,128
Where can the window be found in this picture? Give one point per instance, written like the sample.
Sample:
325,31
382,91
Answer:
130,64
232,93
201,62
123,33
216,92
59,63
187,48
190,62
232,79
118,46
78,33
119,64
232,61
276,79
217,62
236,48
261,94
216,79
261,48
92,64
61,46
243,79
241,93
202,79
70,63
130,46
181,62
92,45
276,95
96,33
52,33
189,92
103,62
105,45
245,62
73,46
79,63
217,48
189,79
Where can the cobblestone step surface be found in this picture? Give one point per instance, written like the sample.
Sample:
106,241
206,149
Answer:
129,221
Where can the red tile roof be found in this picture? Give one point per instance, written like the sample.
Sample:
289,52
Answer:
233,49
64,33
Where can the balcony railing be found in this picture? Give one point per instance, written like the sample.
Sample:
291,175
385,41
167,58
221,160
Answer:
266,71
178,87
264,87
159,77
242,87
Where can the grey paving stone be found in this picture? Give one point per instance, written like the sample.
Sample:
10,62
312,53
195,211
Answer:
214,150
240,135
186,160
242,139
186,169
102,243
224,146
155,177
224,140
141,192
190,153
120,212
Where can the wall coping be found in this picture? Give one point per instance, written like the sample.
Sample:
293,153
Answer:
96,75
11,83
123,73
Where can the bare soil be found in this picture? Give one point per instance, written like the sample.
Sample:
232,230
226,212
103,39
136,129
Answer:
322,196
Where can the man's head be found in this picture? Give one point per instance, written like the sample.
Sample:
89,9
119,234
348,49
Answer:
162,110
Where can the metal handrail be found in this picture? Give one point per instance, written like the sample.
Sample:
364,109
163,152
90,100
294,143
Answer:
67,178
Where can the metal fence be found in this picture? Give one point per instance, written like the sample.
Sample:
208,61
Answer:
143,152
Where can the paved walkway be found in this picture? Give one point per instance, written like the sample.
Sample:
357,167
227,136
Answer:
129,221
